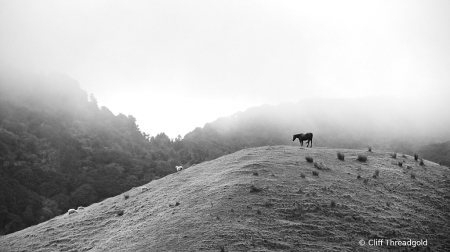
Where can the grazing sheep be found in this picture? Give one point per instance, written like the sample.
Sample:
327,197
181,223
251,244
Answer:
179,168
80,208
144,188
71,211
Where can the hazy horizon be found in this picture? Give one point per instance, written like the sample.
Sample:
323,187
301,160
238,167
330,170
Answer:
177,65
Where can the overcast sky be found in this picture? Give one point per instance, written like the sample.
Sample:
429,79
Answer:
176,65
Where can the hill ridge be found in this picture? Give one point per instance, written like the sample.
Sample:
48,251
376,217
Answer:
257,200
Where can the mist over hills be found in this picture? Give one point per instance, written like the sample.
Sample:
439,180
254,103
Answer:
59,150
382,122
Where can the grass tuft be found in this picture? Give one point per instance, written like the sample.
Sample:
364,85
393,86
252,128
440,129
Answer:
362,158
315,173
126,196
255,174
320,166
366,181
333,204
302,175
421,162
340,156
309,159
376,174
254,189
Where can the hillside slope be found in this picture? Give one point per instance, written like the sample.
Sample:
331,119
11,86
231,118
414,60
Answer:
212,206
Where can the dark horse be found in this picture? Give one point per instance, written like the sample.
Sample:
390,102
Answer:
303,137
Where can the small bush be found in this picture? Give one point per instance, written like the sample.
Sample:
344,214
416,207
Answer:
254,189
413,175
309,159
302,175
421,162
255,173
333,204
370,149
394,155
340,156
376,174
416,157
400,164
362,158
126,196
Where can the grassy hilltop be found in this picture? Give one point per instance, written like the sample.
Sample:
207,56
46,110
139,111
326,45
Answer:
263,199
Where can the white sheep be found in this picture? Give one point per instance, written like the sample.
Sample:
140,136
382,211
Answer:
71,211
179,168
80,208
144,188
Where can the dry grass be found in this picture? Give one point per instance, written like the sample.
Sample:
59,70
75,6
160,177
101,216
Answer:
217,212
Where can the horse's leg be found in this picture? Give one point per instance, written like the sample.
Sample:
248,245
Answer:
307,143
311,142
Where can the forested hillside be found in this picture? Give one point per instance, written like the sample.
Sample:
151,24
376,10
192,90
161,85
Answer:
59,150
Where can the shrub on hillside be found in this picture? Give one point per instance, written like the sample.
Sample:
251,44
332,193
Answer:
421,162
333,204
376,174
340,156
254,189
309,159
320,166
362,158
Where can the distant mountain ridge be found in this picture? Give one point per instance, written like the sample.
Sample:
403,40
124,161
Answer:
382,122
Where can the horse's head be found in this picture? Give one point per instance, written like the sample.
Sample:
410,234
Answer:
296,136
